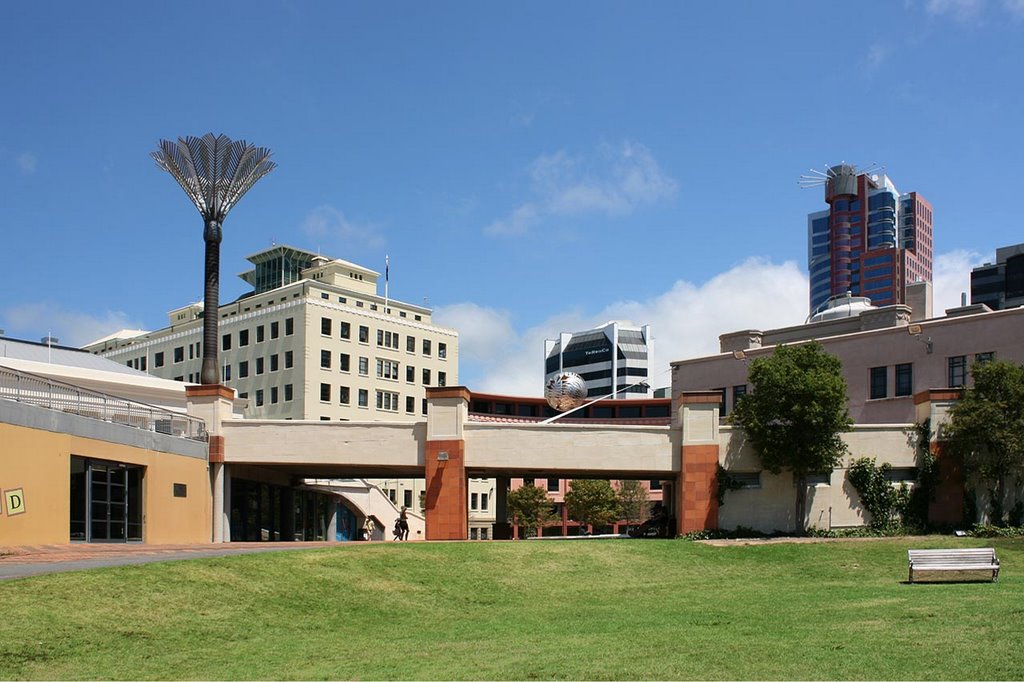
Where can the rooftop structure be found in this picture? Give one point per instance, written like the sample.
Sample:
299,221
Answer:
1001,284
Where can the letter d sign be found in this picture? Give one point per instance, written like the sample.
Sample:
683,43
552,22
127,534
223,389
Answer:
15,499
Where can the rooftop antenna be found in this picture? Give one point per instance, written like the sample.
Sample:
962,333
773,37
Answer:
215,172
817,178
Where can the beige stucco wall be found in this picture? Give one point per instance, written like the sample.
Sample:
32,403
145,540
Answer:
770,507
577,447
380,444
39,462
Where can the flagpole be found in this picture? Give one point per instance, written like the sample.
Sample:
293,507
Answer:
387,267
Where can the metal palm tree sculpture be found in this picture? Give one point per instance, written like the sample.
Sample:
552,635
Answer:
215,173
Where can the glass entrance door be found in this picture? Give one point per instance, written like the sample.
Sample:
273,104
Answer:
106,501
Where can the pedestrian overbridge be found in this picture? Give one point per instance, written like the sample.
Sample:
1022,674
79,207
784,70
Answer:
448,448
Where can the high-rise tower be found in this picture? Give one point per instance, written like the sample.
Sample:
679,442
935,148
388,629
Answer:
872,241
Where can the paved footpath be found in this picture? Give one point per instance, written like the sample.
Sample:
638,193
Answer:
29,560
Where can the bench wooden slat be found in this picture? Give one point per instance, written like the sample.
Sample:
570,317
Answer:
981,559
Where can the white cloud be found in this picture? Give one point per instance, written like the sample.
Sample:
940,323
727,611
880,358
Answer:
961,10
33,321
685,322
328,221
626,177
876,56
951,276
27,163
1015,8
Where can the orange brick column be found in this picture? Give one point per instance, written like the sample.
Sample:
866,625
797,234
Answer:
214,405
947,504
447,511
446,515
697,485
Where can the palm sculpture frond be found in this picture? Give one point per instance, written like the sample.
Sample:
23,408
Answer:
215,172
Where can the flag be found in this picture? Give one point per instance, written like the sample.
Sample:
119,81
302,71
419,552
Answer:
387,266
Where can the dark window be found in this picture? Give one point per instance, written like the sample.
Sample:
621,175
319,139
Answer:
984,357
289,326
737,394
243,369
259,397
259,366
957,371
343,362
288,356
879,382
410,374
442,350
655,484
423,405
275,329
325,326
158,359
259,334
552,485
227,372
343,395
442,379
287,392
181,490
243,337
179,354
225,342
273,395
410,344
346,329
364,334
426,346
426,377
904,379
410,404
325,392
364,398
273,362
325,359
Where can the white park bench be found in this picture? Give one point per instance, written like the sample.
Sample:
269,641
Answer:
954,560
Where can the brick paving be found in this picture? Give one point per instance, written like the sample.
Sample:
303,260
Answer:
26,560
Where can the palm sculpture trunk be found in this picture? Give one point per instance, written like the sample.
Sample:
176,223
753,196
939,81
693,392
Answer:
215,172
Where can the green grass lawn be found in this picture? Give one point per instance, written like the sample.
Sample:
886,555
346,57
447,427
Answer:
630,609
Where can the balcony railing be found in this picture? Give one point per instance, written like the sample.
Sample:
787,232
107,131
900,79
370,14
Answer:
55,395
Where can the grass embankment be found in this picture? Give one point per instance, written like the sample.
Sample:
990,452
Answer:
577,610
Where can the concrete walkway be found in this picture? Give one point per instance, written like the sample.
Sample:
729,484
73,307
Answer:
25,561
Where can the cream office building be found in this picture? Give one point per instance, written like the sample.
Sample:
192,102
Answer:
313,341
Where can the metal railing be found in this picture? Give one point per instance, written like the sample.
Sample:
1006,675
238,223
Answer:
41,391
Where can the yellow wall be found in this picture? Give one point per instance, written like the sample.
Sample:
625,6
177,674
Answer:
39,462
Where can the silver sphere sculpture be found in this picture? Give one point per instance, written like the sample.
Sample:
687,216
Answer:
565,391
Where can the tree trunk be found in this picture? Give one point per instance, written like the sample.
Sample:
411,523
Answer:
800,513
211,308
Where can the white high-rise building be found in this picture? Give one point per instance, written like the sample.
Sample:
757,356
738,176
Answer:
610,358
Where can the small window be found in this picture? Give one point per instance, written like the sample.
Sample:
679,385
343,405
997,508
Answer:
243,369
275,329
343,362
410,344
325,393
879,382
343,395
410,374
905,379
325,326
426,377
226,372
552,485
158,359
346,329
364,398
426,346
274,362
364,334
259,334
288,393
442,379
181,490
746,479
364,367
483,501
957,371
289,326
225,342
442,350
179,354
259,397
259,366
243,338
273,395
410,404
325,359
472,501
288,359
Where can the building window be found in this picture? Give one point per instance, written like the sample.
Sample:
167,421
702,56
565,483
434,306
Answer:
225,342
273,395
179,354
274,362
410,374
957,371
275,330
259,397
387,339
243,369
722,409
879,382
552,485
289,326
288,358
483,501
528,482
737,394
387,369
426,346
325,393
287,393
226,372
984,357
325,326
259,334
325,359
410,344
410,404
343,395
442,350
426,377
343,362
346,329
364,366
905,379
386,400
745,479
423,406
407,498
259,366
158,359
364,334
243,337
472,501
364,398
655,484
442,379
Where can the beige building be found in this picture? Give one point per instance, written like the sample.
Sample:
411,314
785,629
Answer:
314,340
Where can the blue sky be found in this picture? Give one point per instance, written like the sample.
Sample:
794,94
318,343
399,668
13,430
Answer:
529,167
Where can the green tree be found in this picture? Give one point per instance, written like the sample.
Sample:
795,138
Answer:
591,501
530,508
795,415
634,502
986,429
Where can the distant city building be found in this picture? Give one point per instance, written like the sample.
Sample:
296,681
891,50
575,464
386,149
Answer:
609,358
1000,285
872,241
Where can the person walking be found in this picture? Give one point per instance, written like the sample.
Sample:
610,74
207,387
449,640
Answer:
403,523
368,528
